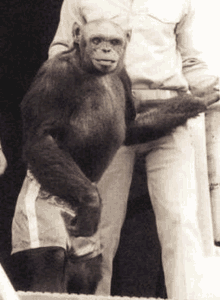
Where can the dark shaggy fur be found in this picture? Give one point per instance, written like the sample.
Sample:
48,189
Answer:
158,118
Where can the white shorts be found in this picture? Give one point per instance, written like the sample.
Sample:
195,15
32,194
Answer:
38,222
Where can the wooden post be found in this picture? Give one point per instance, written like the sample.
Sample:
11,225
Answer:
213,156
198,135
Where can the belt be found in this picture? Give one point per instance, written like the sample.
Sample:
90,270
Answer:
144,94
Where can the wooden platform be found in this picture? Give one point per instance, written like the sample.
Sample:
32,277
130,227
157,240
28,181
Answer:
48,296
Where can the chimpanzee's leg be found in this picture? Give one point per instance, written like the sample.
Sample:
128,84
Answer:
82,276
40,269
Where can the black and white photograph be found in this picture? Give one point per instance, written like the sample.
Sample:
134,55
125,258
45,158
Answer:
110,149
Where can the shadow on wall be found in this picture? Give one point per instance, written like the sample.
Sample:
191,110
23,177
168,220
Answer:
27,28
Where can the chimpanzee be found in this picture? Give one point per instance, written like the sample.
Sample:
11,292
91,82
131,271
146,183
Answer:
75,117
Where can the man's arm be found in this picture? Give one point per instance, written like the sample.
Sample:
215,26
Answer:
201,80
63,38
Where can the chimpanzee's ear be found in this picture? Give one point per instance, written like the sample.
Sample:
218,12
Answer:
76,32
128,35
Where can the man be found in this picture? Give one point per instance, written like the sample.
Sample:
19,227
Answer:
161,60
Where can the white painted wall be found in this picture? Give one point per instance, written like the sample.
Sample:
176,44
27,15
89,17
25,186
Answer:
209,34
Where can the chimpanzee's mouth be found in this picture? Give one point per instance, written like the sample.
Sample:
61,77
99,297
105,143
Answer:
105,62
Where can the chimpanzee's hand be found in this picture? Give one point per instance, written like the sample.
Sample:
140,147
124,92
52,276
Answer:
87,220
217,87
210,98
207,90
87,215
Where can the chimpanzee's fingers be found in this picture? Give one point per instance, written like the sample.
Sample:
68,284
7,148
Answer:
211,98
217,87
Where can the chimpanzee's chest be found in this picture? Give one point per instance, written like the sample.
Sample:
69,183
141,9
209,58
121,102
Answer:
101,110
98,126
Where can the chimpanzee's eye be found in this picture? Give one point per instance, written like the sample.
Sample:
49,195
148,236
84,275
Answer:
115,42
96,40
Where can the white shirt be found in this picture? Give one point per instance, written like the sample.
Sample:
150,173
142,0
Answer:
162,53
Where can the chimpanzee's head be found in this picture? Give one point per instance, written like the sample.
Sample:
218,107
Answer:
102,45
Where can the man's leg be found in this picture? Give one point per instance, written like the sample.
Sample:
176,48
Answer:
114,189
172,187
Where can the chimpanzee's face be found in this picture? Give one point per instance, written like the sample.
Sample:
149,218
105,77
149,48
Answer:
102,46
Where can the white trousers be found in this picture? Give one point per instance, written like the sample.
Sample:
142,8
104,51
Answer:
171,176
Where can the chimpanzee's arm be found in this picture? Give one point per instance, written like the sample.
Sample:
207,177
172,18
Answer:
130,111
158,118
58,174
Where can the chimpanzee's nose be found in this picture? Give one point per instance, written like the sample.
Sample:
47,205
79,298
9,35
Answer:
106,50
